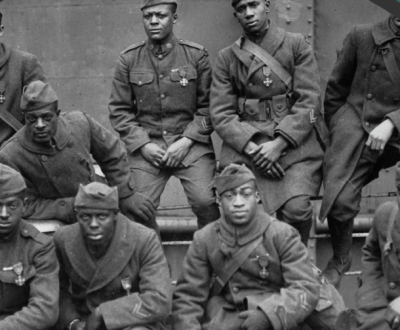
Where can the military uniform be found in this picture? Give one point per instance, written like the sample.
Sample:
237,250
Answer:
130,283
161,94
53,174
244,108
34,304
17,69
285,289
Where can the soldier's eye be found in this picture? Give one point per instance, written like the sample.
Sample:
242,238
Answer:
146,16
31,119
161,15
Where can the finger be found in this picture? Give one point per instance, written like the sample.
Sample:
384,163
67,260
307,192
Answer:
275,173
382,148
396,322
243,315
369,141
262,165
279,168
147,214
268,175
255,150
374,144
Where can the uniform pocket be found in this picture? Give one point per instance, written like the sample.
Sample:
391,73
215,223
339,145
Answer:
141,78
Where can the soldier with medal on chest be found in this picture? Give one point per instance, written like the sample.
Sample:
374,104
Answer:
29,283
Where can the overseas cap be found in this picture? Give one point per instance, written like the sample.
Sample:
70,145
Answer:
150,3
97,195
11,182
37,95
231,177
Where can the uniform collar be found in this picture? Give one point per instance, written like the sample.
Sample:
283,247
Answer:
163,49
383,32
60,139
4,54
241,235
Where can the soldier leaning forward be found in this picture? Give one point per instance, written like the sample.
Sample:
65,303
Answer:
264,102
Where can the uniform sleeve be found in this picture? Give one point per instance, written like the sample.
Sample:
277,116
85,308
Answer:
300,293
38,208
200,128
123,109
192,291
110,154
339,83
42,309
297,125
223,110
32,71
153,301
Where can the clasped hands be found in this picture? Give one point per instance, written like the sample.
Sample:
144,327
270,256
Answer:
265,157
172,157
380,135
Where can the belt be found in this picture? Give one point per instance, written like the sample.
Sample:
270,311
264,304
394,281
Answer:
262,109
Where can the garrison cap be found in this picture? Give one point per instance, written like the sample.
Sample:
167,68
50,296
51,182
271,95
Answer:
150,3
234,175
11,182
37,95
97,195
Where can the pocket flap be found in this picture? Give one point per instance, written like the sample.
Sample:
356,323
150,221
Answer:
279,103
189,73
141,78
8,276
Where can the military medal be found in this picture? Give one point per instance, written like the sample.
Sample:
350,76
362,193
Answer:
18,269
267,72
263,262
182,73
127,285
2,91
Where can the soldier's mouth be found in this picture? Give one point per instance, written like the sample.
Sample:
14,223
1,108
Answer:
95,237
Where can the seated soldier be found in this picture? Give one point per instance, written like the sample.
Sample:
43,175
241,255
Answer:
249,271
54,154
29,286
380,282
116,268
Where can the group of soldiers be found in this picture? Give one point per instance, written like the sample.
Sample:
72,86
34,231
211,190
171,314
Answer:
106,268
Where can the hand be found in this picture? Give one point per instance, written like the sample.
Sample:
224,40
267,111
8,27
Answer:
176,152
249,147
138,206
95,321
255,320
153,153
78,325
380,135
275,172
266,154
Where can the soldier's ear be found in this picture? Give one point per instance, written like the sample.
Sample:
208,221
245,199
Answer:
58,112
257,196
175,16
267,5
234,14
1,30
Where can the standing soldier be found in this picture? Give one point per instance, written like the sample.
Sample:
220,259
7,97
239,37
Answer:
264,102
17,69
160,107
362,111
29,285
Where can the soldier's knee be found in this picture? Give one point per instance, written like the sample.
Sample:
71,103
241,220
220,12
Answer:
343,208
297,209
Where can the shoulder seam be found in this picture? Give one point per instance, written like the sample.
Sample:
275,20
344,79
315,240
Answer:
134,46
191,44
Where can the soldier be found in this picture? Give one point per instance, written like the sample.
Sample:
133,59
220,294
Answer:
264,102
17,69
249,271
160,107
29,286
116,268
380,282
53,152
362,111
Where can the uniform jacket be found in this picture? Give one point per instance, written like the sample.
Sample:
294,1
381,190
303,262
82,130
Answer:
290,292
134,255
53,175
380,275
238,74
149,104
359,96
33,305
17,69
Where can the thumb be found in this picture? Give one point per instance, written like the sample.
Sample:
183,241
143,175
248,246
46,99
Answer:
243,315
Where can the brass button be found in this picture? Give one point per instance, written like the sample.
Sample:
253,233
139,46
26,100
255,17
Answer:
70,144
235,289
373,68
140,83
44,158
367,124
369,96
160,57
169,46
165,132
163,96
250,85
161,76
392,285
151,47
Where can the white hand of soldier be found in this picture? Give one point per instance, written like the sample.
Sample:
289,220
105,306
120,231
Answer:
138,207
255,320
153,153
380,135
176,152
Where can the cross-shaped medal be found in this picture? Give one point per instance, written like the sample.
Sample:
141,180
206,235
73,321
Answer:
267,72
2,97
267,82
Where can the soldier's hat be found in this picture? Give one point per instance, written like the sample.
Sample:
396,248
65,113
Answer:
97,195
11,182
234,175
37,95
150,3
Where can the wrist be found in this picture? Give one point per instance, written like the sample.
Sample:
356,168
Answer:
250,146
281,142
188,141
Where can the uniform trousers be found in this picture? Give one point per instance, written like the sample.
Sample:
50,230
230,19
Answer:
196,181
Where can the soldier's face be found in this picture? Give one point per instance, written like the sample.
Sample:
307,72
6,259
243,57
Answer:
158,22
97,225
240,204
41,124
252,15
11,210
